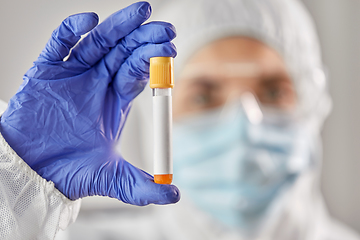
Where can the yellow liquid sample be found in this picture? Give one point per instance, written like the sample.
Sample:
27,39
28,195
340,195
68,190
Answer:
163,178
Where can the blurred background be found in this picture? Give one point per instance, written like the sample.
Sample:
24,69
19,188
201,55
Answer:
26,25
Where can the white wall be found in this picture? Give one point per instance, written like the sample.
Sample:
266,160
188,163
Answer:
26,25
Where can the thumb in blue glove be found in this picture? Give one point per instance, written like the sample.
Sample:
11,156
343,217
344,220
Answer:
67,116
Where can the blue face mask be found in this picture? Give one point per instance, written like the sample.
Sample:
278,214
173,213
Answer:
233,169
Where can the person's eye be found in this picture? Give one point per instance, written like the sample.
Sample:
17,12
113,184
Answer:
277,93
205,94
201,100
206,99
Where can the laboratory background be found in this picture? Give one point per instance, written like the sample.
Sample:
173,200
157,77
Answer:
26,26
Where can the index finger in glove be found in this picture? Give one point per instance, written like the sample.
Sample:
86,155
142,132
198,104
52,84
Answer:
153,32
133,74
107,34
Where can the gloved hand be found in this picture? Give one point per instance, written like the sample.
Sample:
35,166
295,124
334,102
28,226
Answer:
67,115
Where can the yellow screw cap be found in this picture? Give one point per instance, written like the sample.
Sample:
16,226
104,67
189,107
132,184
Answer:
161,72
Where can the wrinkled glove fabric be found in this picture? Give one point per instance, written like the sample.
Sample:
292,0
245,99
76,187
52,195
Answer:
30,206
68,114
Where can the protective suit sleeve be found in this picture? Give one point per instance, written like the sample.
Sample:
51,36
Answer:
30,206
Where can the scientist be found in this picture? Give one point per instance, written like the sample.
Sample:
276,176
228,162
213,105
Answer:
249,102
59,130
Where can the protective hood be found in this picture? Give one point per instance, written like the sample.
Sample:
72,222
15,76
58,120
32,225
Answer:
284,25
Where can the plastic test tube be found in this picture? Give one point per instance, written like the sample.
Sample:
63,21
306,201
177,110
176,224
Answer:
162,82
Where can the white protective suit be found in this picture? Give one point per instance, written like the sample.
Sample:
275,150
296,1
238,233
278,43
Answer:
30,206
299,213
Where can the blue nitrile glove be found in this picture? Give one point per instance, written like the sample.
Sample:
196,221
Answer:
67,116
